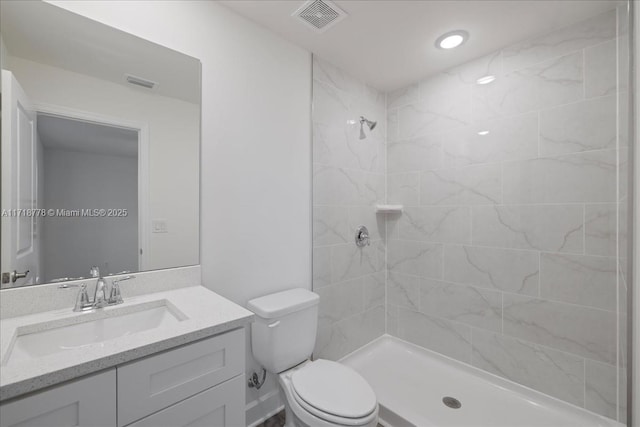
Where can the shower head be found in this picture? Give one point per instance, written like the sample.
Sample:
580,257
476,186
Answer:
370,124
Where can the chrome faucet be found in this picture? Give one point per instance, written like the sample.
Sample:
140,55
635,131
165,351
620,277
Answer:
100,299
100,295
115,297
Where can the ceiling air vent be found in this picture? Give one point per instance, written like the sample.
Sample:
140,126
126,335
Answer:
139,81
320,15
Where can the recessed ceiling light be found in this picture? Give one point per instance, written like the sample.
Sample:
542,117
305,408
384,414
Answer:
483,132
452,39
485,80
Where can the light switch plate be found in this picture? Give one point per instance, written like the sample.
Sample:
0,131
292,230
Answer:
159,226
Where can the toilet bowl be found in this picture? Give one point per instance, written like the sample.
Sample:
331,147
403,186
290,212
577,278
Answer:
323,393
318,393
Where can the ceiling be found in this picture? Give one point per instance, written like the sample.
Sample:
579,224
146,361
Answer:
51,35
60,133
390,44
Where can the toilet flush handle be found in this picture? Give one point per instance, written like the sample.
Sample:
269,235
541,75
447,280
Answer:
274,324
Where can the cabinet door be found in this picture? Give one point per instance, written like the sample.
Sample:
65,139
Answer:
220,406
90,401
157,382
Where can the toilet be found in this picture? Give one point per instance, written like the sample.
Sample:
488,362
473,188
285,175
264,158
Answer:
319,393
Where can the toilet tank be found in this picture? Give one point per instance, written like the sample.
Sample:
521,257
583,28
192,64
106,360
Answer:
284,331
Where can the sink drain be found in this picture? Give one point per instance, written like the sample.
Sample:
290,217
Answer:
451,402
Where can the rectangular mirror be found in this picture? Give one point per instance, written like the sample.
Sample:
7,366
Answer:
100,149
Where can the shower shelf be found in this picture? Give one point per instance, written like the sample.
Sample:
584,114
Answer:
388,208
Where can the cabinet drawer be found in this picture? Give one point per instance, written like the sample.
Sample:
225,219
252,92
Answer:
157,382
90,401
222,405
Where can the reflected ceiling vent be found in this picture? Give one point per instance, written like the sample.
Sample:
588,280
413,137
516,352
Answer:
320,15
139,81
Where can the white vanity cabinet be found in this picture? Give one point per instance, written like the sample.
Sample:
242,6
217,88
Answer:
198,384
156,382
89,401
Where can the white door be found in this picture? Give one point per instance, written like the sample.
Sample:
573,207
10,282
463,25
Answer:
19,186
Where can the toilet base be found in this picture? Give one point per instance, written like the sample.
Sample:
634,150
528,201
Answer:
298,416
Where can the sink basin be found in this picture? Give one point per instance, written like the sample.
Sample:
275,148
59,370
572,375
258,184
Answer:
95,328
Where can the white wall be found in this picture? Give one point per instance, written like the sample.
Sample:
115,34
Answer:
173,148
256,151
635,287
3,54
76,180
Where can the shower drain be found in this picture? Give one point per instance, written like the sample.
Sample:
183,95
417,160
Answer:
451,402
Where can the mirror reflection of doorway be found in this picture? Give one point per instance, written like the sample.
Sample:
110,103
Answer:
85,169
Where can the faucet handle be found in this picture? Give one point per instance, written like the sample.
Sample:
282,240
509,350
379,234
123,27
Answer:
115,296
94,271
82,300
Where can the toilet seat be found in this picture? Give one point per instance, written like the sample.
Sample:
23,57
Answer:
334,393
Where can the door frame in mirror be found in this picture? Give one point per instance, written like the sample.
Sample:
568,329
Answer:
142,128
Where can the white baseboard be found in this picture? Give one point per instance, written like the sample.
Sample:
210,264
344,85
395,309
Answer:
263,408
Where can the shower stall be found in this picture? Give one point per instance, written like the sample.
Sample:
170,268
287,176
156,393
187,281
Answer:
505,259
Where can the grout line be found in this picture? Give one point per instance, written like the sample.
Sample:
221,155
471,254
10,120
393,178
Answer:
539,274
584,382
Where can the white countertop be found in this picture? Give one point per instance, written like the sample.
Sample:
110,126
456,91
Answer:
207,314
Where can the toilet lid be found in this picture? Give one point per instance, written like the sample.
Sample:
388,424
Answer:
335,389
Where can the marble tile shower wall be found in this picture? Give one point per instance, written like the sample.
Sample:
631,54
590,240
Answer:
624,214
348,180
505,255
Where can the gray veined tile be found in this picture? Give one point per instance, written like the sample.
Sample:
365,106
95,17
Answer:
582,177
476,307
404,188
374,102
365,215
328,73
348,334
423,153
600,69
330,105
380,249
330,225
339,186
583,331
403,290
421,119
601,389
582,126
437,334
465,186
553,372
502,269
374,290
579,279
443,104
513,138
392,126
392,319
341,300
403,96
557,43
349,261
623,120
556,228
470,72
321,266
323,337
548,84
436,224
623,62
338,144
415,258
